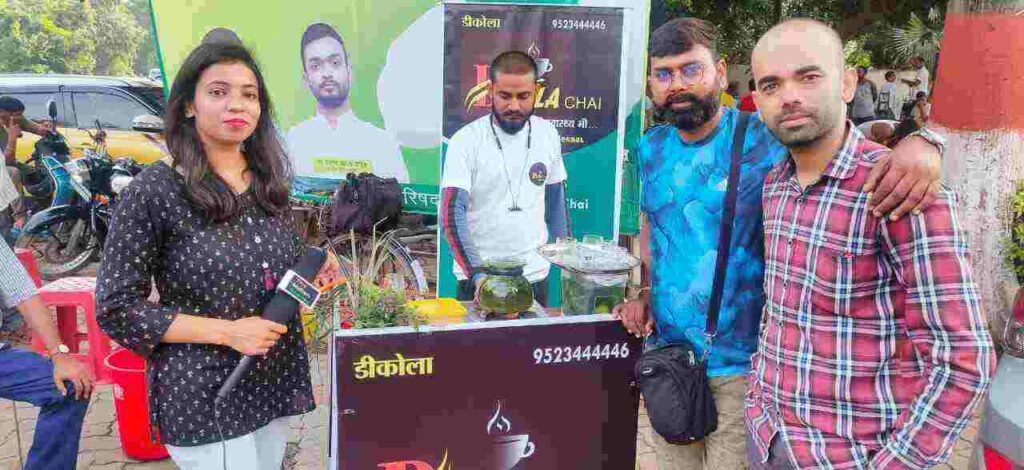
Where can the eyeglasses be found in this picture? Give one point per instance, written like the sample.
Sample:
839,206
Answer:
689,74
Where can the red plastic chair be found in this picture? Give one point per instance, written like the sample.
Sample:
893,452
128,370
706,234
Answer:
29,262
67,295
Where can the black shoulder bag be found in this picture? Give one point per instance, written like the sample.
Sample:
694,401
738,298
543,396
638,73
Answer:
673,380
364,201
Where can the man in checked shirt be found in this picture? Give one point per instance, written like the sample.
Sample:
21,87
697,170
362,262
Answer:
873,350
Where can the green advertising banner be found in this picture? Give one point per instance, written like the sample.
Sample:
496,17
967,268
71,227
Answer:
376,110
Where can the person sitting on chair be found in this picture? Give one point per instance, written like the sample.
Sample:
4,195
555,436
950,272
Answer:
60,386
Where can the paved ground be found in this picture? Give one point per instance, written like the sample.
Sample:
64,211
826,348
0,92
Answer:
645,459
101,448
307,449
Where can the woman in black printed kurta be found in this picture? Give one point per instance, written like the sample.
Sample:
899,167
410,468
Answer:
212,228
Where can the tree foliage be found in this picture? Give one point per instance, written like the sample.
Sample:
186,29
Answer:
146,58
918,37
101,37
870,24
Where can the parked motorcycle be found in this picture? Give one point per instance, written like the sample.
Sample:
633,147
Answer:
70,233
45,181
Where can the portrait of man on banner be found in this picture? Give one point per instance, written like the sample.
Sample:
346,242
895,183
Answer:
334,142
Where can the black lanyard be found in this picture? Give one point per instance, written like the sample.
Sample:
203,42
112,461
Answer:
508,178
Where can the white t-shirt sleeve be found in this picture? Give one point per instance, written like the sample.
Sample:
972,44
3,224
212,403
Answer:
457,161
557,173
924,76
289,145
294,141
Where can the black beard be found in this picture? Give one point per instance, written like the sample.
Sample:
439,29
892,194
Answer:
510,127
799,142
699,113
802,138
332,101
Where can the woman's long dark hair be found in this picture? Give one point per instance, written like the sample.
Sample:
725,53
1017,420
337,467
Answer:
266,159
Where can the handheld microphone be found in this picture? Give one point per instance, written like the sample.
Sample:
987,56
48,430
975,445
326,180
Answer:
281,308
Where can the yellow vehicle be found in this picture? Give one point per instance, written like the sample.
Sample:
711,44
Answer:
130,110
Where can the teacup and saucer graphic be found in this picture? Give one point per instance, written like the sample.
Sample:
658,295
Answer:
544,65
507,449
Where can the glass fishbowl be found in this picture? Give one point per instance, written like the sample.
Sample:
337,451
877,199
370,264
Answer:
505,291
594,273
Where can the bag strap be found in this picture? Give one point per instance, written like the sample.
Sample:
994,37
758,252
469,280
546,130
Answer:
725,234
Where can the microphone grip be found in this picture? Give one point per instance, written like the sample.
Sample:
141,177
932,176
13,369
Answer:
281,309
236,375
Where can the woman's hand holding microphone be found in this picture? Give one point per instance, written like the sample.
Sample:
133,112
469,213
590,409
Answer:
253,336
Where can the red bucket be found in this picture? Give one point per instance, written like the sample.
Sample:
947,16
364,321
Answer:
131,403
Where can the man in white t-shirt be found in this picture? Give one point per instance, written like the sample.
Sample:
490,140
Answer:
886,107
334,143
920,81
503,188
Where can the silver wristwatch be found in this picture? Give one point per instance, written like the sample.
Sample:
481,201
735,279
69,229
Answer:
933,138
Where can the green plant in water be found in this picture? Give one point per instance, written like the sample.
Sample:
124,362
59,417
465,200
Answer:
1013,246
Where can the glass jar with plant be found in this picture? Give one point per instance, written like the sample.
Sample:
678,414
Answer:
366,300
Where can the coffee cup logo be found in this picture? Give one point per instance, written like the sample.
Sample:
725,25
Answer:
507,449
544,64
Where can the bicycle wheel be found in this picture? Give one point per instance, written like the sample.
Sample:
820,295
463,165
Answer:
395,265
304,221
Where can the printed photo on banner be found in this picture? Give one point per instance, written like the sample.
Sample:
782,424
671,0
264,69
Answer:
355,84
334,142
